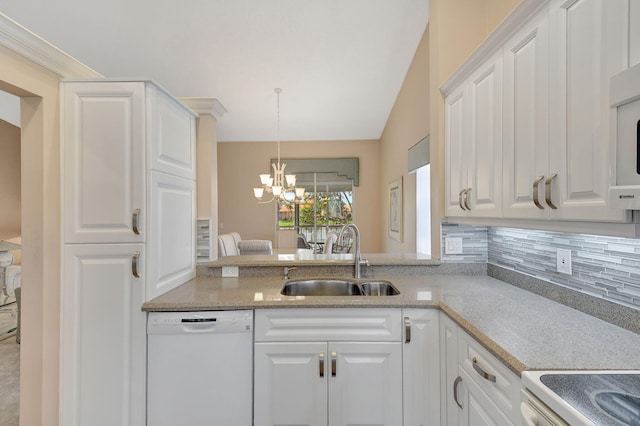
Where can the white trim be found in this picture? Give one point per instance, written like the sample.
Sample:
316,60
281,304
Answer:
204,106
493,42
17,38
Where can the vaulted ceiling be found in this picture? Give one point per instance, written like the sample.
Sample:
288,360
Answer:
340,63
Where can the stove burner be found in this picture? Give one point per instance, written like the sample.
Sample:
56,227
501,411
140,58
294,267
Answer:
620,406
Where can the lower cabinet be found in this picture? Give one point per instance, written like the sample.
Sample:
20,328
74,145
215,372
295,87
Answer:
103,338
319,367
328,383
477,389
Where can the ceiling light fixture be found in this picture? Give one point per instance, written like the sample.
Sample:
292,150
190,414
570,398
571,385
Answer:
276,184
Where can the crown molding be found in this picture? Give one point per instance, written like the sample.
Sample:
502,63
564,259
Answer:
20,40
204,106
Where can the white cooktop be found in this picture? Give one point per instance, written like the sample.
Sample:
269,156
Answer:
589,397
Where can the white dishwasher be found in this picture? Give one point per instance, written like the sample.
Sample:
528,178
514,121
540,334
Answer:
200,368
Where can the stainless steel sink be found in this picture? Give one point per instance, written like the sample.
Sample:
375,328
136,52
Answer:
338,287
378,288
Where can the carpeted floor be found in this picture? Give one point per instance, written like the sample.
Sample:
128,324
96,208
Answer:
9,381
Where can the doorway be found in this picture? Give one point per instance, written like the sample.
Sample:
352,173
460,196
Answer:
10,257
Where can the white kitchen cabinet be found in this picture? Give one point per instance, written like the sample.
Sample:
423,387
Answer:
172,236
421,367
526,120
128,175
103,358
477,389
350,374
449,408
587,47
103,162
290,384
474,144
477,409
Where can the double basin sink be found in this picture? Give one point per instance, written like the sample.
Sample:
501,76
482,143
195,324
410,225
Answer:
338,287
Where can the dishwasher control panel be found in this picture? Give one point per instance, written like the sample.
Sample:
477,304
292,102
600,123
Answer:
206,321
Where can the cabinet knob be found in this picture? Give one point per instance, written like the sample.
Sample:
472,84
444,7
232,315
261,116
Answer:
536,198
547,190
455,391
466,198
134,264
460,195
134,221
333,363
407,330
487,376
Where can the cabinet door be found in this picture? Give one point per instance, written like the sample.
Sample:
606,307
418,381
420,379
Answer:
365,387
103,162
421,367
485,162
172,233
449,410
171,135
456,151
477,408
290,384
587,47
526,129
103,359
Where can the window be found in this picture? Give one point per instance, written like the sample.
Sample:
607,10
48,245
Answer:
327,206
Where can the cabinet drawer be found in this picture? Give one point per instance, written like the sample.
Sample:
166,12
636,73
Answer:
496,380
354,325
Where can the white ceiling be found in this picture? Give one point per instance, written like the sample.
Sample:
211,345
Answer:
340,63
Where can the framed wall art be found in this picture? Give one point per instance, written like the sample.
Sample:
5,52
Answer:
395,209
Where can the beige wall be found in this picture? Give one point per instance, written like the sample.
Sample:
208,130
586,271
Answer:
207,176
407,124
456,28
240,163
40,162
10,220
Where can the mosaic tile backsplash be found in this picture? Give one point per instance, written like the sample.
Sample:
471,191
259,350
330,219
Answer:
604,267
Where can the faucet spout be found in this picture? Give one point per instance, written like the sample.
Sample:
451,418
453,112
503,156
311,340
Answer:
357,255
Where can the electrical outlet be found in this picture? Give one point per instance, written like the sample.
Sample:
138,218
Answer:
229,271
453,245
564,261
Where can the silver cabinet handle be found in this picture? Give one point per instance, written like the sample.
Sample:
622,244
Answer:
460,195
134,264
455,391
321,363
536,198
134,221
407,330
481,372
466,198
547,190
333,364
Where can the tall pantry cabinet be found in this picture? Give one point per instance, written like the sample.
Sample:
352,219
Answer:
128,199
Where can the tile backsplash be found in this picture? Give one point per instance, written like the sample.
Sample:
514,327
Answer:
604,267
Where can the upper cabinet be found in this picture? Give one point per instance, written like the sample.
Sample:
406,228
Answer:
587,48
527,132
474,143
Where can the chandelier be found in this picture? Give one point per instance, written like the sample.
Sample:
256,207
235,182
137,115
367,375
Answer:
275,185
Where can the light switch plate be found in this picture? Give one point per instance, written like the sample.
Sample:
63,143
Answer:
229,271
564,261
453,245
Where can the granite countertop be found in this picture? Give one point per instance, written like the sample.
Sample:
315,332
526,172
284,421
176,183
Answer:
523,330
304,257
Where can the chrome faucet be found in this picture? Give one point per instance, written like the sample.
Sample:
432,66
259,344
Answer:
358,262
288,269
